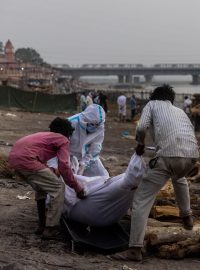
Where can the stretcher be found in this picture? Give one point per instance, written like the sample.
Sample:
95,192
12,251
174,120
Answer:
106,238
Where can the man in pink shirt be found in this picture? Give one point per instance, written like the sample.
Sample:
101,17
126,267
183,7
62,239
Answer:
29,156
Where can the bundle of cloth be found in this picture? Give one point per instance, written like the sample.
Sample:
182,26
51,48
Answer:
108,199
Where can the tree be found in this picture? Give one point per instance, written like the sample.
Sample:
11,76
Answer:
1,47
28,55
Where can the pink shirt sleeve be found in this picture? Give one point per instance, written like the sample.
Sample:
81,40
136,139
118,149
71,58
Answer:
64,166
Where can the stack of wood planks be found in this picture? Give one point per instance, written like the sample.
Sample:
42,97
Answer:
165,233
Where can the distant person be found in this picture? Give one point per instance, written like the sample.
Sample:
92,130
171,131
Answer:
187,104
29,157
133,106
96,98
103,101
89,100
83,103
121,102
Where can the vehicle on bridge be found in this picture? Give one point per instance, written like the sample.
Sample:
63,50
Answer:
61,66
178,66
112,66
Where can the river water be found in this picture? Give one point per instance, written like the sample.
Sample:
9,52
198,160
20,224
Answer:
181,84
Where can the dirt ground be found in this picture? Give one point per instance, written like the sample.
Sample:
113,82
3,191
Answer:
19,247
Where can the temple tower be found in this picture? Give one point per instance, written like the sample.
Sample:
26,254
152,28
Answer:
9,52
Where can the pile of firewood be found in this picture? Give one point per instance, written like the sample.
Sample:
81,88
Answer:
5,170
171,240
165,232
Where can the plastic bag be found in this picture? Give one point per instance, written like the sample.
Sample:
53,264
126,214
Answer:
90,185
134,172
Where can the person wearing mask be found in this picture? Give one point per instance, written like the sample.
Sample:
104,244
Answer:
86,141
176,154
29,157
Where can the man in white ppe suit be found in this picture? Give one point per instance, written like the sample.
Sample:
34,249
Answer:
86,141
121,102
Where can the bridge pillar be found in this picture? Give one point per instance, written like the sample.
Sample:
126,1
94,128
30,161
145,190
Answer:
148,78
74,78
120,78
128,79
136,79
195,79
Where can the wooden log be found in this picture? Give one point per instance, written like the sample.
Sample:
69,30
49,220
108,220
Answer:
164,211
162,235
167,191
156,223
5,170
165,201
180,250
194,174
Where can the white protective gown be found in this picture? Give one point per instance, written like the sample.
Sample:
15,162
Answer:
87,146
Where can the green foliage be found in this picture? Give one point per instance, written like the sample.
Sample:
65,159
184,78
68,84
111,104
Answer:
1,47
28,55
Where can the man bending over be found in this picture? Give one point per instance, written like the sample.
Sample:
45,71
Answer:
29,156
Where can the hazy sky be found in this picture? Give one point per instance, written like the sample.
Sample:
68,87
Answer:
104,31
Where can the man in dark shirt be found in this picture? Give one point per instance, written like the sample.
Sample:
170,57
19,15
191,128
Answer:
103,101
133,105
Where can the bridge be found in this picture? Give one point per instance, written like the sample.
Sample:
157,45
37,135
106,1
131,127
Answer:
126,72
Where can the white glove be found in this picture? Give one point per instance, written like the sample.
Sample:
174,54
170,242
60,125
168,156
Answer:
81,169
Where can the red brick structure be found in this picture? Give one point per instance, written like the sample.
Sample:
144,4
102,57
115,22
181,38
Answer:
8,55
9,52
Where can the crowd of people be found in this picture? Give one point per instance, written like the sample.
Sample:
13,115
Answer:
101,99
87,99
69,153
